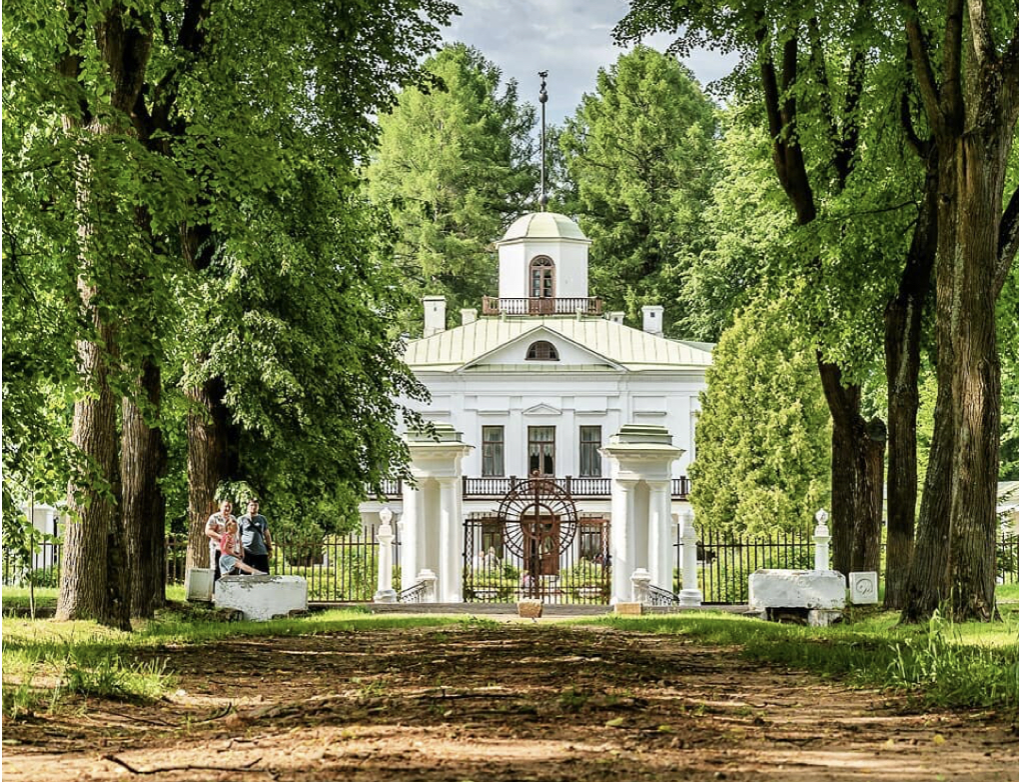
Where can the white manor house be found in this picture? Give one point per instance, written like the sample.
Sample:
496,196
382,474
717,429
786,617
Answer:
563,438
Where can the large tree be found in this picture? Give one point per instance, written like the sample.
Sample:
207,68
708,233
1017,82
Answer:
811,74
147,134
966,61
640,152
763,462
455,164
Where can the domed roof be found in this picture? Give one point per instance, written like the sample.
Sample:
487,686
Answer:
543,225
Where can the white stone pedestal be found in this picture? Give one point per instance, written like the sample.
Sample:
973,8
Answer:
260,598
863,588
821,594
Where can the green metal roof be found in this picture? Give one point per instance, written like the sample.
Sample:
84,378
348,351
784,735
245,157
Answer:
612,345
543,225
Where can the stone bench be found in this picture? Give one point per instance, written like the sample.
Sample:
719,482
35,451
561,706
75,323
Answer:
261,598
818,596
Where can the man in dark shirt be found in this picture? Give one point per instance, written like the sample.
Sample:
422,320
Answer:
255,538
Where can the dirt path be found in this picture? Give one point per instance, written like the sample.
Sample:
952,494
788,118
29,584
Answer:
506,702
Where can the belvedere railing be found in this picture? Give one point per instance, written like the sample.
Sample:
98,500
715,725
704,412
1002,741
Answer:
585,305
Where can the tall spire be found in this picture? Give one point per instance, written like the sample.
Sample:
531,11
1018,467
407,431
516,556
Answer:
543,99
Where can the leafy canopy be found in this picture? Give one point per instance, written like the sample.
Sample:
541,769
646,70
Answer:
641,153
454,167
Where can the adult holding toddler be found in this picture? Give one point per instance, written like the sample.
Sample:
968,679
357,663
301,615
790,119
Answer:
255,538
214,529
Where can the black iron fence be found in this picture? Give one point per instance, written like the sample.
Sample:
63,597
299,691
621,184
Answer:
344,568
1008,559
725,562
338,568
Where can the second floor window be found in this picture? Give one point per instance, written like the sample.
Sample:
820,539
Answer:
590,459
542,278
492,451
541,450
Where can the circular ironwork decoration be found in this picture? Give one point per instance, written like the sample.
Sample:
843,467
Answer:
539,517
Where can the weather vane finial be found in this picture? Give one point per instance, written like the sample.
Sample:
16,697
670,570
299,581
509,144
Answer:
543,99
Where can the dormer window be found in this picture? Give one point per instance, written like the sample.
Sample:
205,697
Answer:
542,278
542,351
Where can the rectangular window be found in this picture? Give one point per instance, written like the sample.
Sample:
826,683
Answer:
594,544
492,544
590,459
492,451
541,450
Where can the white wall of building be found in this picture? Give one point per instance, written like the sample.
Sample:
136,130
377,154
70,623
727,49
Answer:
566,400
570,259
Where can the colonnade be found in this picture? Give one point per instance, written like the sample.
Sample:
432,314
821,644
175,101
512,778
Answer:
642,537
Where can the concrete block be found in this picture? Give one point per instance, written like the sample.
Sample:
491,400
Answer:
863,588
198,583
529,609
825,589
260,598
629,609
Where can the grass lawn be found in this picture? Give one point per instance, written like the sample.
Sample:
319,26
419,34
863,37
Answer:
941,664
43,658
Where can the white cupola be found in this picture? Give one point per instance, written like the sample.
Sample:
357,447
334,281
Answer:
543,255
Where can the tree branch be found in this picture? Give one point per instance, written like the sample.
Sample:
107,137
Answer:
1008,241
189,767
952,86
919,48
981,34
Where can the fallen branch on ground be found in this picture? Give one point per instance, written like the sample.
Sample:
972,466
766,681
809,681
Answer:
189,767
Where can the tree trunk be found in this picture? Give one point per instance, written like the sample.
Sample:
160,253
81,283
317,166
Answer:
856,477
94,576
209,463
979,160
870,505
955,548
85,577
142,464
903,325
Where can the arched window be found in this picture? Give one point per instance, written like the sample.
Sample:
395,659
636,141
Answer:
542,278
542,351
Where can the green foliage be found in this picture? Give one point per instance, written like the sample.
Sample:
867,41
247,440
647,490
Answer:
952,673
763,436
641,154
223,227
939,664
453,168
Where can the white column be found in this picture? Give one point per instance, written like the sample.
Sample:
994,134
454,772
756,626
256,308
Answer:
449,554
385,592
410,524
822,539
690,595
621,549
660,548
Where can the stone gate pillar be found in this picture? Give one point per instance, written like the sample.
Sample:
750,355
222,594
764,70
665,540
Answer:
432,518
641,457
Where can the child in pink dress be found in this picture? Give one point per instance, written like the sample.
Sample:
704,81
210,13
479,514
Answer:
230,548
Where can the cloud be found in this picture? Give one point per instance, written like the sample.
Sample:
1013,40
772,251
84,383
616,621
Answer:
571,39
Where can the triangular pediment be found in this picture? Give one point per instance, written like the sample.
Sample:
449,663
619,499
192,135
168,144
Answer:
513,352
543,409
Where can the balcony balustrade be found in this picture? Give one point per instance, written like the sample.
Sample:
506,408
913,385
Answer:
579,488
491,305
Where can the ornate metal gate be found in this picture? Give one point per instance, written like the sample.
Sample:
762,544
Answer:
536,546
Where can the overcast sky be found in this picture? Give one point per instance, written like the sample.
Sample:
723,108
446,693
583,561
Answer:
571,39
